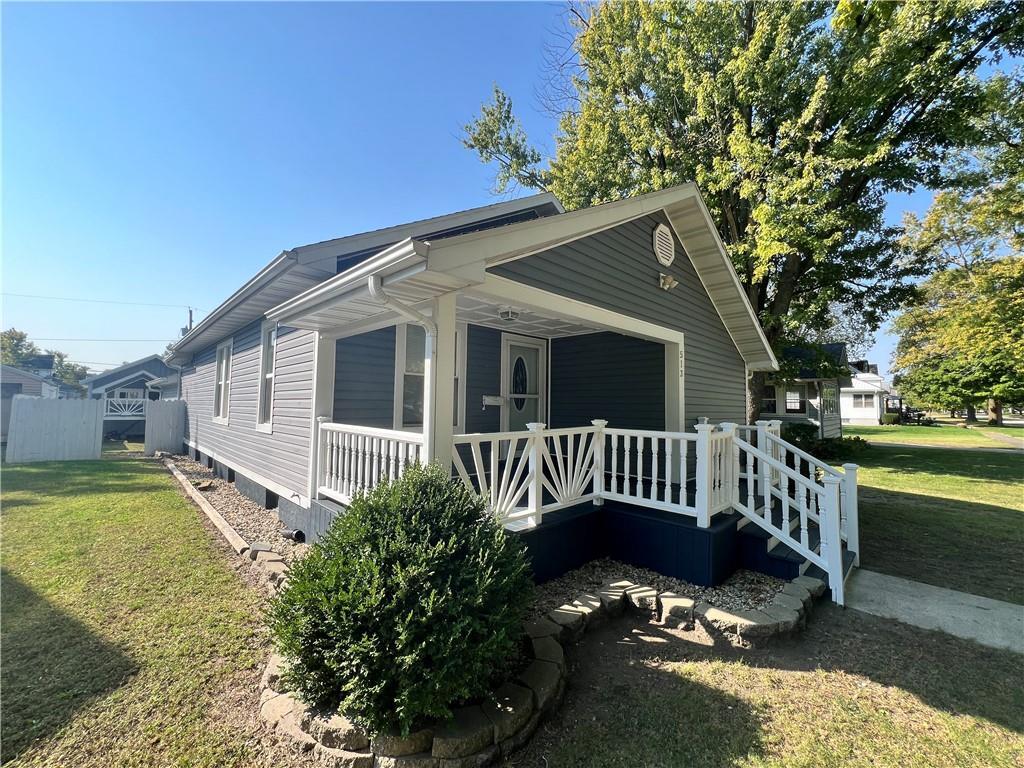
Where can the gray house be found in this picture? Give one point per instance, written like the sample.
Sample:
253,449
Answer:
584,371
17,381
812,396
125,391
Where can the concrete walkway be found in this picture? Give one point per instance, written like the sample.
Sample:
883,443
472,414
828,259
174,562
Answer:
989,622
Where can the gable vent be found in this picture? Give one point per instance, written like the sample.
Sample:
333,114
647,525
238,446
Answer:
664,245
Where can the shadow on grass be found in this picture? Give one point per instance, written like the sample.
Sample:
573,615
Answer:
958,462
642,694
81,478
53,665
961,545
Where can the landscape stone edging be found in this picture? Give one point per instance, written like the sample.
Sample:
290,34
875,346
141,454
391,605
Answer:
264,562
478,735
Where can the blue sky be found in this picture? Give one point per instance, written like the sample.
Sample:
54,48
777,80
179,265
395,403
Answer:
163,153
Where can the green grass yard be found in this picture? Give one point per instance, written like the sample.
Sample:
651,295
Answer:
123,624
953,518
939,435
128,640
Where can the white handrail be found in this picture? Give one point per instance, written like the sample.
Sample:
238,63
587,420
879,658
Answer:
118,407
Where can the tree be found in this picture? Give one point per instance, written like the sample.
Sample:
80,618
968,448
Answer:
15,347
964,341
68,372
794,119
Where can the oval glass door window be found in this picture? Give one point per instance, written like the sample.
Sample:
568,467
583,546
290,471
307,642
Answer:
520,383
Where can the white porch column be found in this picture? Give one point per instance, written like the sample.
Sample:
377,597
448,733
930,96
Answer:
323,399
439,384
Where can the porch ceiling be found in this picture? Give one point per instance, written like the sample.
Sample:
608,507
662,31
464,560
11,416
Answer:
529,322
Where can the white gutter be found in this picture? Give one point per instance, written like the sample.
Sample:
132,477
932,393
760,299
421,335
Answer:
376,290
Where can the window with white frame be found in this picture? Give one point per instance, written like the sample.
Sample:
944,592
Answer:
796,399
410,370
829,400
222,383
863,400
768,399
268,352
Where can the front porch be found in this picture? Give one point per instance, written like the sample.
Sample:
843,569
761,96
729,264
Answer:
675,500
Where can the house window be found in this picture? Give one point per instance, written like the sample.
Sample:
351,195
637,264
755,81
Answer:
863,401
268,352
768,399
222,383
796,399
410,368
829,400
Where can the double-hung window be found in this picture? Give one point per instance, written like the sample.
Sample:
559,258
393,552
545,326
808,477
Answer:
768,399
222,383
796,399
268,352
410,371
863,401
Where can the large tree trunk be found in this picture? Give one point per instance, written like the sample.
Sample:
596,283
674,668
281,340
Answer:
972,413
995,412
755,388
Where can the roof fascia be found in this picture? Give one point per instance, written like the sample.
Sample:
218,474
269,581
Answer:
122,367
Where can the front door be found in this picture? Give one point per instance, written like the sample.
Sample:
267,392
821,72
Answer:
524,381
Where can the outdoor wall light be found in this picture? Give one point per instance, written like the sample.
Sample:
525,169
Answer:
667,282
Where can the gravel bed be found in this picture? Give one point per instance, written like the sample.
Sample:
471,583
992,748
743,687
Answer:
744,590
253,522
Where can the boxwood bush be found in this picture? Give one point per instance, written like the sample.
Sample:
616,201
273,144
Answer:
410,604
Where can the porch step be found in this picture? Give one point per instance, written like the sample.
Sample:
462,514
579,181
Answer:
779,560
848,558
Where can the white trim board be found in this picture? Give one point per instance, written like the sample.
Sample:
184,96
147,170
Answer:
270,485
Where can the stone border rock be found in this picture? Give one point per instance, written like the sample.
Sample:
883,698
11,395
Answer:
480,734
268,565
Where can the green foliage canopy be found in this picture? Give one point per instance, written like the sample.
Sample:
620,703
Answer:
794,119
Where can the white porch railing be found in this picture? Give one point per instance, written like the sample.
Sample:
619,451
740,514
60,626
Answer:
353,459
124,408
802,502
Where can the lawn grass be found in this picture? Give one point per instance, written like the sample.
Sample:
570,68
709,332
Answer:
122,621
953,518
852,690
938,435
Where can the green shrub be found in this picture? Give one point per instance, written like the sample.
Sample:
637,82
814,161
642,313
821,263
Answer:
412,603
834,448
803,436
889,419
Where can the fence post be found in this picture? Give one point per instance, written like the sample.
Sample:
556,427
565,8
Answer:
831,540
852,517
599,460
321,478
535,495
704,470
732,454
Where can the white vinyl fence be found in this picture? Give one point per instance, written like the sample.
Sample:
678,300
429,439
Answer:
165,426
47,429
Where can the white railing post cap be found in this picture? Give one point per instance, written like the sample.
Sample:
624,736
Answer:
727,426
831,480
762,422
599,423
851,467
322,419
704,427
536,426
703,420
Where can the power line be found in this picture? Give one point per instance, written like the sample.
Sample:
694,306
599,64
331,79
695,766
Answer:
99,301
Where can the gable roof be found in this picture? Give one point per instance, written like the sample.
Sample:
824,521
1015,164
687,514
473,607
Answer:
415,270
809,358
122,367
307,266
12,371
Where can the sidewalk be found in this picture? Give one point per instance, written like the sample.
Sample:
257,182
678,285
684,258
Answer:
978,449
989,622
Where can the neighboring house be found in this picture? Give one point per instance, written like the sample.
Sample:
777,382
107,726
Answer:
125,390
40,365
15,381
812,397
456,339
864,400
165,388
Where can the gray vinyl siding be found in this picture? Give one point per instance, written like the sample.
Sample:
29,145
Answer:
617,270
281,456
607,376
364,379
483,377
30,385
